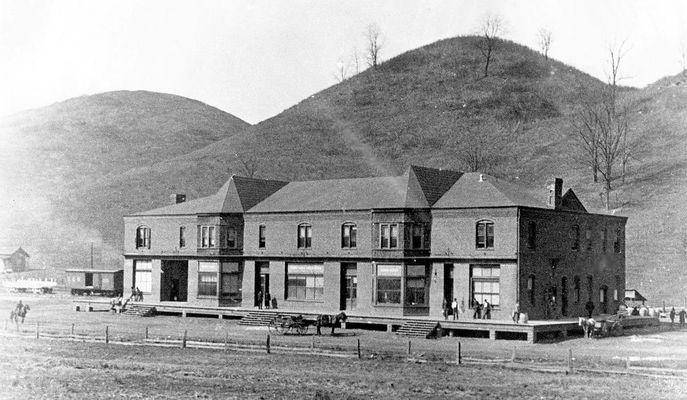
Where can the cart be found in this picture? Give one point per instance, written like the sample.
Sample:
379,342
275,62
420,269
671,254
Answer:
283,324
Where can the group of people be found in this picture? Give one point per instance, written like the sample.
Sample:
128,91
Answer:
136,294
266,300
481,310
681,317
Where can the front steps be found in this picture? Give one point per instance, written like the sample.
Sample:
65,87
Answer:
139,309
419,329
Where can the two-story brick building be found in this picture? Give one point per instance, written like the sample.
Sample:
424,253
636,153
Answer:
390,246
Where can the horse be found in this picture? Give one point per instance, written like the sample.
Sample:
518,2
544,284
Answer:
20,313
587,325
329,320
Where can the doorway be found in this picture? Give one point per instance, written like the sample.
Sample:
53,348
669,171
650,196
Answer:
564,296
174,280
349,286
262,284
89,279
448,283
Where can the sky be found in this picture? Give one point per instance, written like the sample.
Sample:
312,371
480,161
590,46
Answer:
254,59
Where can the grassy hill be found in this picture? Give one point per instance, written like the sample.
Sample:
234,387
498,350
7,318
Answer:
426,107
54,154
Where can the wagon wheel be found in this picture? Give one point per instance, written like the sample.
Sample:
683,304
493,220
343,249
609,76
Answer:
302,329
276,325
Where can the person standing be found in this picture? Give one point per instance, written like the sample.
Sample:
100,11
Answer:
478,309
516,313
260,300
268,300
444,308
590,308
487,310
682,318
672,317
454,308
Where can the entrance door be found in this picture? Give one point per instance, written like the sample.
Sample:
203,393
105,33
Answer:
349,286
262,283
448,283
564,296
174,280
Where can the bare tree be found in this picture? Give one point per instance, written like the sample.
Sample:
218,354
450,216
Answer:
683,57
248,163
355,60
481,145
375,44
341,71
544,39
489,31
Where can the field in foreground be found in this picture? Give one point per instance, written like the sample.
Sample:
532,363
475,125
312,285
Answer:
74,370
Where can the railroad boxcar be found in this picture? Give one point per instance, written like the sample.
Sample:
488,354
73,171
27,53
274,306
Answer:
95,282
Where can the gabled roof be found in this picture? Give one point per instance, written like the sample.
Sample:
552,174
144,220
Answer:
570,202
11,250
237,195
480,190
418,188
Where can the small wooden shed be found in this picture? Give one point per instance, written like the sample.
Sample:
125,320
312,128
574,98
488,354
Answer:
96,282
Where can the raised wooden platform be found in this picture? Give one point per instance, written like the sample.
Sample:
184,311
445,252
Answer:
532,331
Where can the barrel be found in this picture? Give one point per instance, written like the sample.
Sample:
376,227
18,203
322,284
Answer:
523,318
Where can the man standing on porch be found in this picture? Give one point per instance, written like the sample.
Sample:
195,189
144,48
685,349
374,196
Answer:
454,307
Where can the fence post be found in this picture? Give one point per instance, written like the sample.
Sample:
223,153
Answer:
226,339
512,356
267,344
72,330
459,356
38,334
570,361
409,352
183,341
312,345
627,362
358,348
107,334
146,333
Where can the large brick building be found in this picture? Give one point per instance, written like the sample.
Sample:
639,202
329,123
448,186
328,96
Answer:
391,246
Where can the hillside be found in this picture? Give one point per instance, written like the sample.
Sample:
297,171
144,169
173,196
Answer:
53,154
426,107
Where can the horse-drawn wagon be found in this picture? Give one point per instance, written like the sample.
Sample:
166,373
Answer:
283,324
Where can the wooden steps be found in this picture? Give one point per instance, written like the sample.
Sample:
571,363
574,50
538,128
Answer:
419,329
139,309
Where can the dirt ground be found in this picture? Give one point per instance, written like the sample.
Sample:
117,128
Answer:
35,369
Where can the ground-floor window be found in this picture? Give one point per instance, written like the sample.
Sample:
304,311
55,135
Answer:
232,275
143,275
207,278
416,284
486,283
389,284
305,281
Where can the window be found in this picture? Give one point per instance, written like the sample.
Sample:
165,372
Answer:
576,289
617,288
602,294
532,235
182,236
588,236
484,235
142,237
417,233
143,275
530,289
575,235
207,236
485,283
231,280
305,281
349,236
388,235
262,230
389,284
590,287
616,243
415,284
207,278
304,236
231,237
604,238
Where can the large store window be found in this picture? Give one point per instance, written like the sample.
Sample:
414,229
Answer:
207,278
305,281
389,284
485,283
143,275
416,279
231,280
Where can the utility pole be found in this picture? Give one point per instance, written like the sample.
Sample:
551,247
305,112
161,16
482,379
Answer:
91,255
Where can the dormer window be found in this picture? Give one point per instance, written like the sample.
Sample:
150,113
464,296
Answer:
142,237
484,235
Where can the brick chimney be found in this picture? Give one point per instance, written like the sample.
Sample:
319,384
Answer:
177,198
555,194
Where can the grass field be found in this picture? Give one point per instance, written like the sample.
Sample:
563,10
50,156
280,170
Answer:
49,368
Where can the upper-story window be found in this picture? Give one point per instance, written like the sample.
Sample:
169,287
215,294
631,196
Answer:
262,236
417,235
207,236
576,289
388,236
575,236
484,235
142,237
532,235
616,243
182,236
349,236
588,237
231,237
304,236
604,239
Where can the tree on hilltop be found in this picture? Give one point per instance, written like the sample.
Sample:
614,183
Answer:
544,39
489,31
374,44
